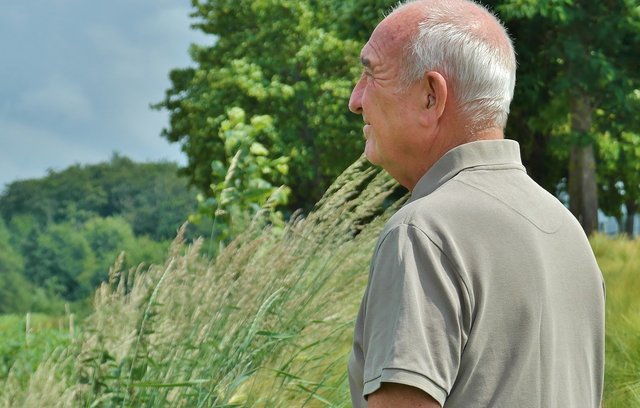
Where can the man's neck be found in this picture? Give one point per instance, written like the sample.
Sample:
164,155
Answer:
492,133
448,143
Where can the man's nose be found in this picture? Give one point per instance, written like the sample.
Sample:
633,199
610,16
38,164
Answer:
355,101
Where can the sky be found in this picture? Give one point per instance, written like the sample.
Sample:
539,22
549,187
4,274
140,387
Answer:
77,78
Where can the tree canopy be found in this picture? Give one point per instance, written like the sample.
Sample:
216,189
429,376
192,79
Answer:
578,68
150,196
60,234
574,112
279,58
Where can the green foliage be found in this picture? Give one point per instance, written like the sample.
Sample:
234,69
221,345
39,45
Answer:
247,175
142,252
253,319
64,231
17,293
279,58
107,237
356,19
57,258
10,259
67,261
138,192
150,196
21,227
619,150
14,289
572,54
620,172
23,347
304,79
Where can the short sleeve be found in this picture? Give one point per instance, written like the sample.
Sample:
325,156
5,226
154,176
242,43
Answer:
413,330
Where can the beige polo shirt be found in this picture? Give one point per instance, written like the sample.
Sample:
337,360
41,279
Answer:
483,292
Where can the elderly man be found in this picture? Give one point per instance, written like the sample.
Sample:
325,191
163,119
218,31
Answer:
483,290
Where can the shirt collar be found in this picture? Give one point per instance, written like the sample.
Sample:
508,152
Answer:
490,154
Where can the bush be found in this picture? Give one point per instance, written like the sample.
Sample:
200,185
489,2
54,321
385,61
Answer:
23,346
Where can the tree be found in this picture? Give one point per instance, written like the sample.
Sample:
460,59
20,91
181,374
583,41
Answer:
571,54
107,237
576,59
245,172
619,153
281,58
14,289
150,196
27,197
21,227
56,258
139,192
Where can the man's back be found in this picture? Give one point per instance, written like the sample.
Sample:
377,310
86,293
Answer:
513,308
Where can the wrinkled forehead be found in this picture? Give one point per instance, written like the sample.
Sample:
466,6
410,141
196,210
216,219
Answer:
391,36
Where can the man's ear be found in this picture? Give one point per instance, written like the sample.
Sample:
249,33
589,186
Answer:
434,88
431,100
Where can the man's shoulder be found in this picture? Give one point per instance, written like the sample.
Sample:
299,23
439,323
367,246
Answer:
426,216
475,200
435,208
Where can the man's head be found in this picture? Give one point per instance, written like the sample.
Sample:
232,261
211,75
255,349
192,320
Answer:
437,73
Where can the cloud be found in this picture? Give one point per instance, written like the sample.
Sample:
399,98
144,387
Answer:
136,62
120,56
7,167
148,48
172,21
58,96
78,79
27,151
12,14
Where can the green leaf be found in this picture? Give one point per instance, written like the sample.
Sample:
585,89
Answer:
258,149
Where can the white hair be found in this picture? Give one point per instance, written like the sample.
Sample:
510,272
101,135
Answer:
480,69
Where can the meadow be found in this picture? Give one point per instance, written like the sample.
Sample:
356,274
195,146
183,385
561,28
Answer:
267,323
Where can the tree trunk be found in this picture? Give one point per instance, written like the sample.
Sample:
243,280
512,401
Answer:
583,190
632,208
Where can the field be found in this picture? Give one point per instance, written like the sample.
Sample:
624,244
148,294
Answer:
268,323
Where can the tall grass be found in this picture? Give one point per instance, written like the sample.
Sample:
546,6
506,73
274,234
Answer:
24,339
619,260
268,323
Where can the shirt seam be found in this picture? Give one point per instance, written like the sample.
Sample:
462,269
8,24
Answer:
546,231
416,373
411,373
436,184
457,272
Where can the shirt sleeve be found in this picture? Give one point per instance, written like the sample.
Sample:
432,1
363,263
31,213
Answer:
413,330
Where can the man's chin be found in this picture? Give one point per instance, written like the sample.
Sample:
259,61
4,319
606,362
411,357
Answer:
372,157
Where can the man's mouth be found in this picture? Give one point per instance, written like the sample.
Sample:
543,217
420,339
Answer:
365,130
